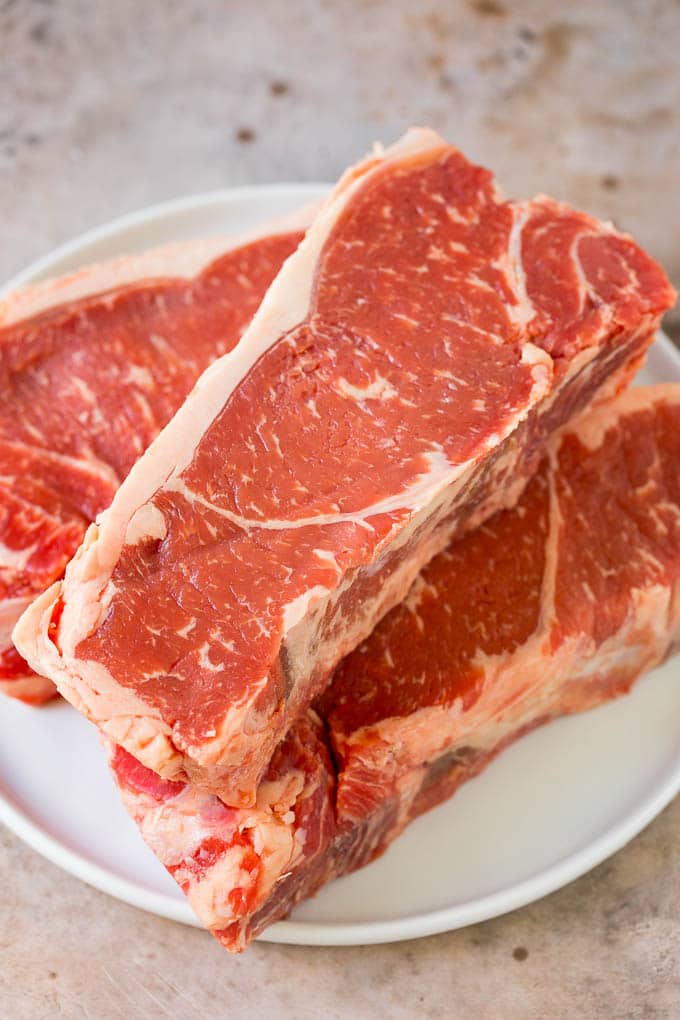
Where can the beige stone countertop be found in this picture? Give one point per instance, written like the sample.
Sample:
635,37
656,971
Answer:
108,106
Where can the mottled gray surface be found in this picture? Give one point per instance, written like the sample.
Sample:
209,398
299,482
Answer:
105,107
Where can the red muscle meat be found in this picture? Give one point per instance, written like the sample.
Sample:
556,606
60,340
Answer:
572,591
92,366
547,609
391,392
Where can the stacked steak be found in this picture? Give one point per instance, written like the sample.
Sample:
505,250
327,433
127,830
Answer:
550,608
369,549
92,367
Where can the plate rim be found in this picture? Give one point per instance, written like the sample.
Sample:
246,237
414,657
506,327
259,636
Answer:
40,267
342,933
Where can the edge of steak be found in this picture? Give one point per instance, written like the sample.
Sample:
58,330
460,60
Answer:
92,365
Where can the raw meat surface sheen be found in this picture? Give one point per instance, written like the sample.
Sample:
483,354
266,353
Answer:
89,378
575,587
549,608
392,391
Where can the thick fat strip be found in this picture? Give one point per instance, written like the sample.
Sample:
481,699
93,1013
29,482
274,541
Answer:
229,861
392,390
93,365
579,584
505,635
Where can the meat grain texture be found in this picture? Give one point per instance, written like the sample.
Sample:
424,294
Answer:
92,366
392,392
549,608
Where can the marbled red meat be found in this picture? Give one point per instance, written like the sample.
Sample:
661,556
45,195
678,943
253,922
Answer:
547,609
91,367
574,588
391,392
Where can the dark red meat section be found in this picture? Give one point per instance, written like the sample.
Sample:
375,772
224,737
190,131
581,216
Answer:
86,388
390,363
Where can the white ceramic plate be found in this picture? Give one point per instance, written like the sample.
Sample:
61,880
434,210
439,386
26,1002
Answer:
547,810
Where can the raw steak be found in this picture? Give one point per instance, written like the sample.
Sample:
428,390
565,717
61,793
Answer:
91,367
577,587
547,609
392,391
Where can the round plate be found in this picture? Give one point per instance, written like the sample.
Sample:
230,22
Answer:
547,810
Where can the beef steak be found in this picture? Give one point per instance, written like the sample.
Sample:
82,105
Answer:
392,391
547,609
